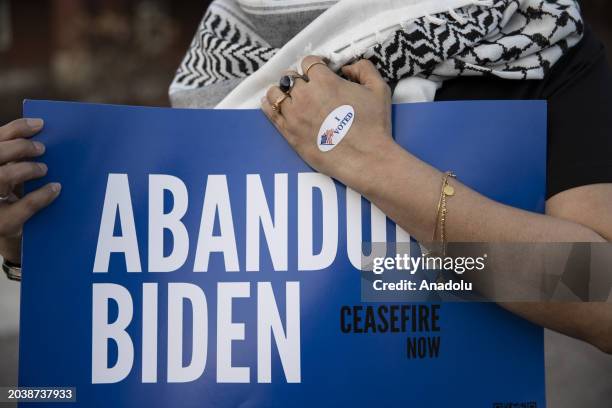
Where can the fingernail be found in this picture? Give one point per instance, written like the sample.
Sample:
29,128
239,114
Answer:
34,123
39,147
43,167
56,187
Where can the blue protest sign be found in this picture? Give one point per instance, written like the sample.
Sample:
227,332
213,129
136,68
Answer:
193,260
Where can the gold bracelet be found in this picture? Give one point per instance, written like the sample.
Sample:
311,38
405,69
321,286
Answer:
446,191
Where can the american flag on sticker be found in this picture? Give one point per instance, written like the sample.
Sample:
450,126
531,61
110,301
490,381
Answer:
328,137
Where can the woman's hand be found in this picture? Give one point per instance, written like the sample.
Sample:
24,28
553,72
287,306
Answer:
16,167
407,190
302,113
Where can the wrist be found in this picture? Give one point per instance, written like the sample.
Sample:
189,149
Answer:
370,170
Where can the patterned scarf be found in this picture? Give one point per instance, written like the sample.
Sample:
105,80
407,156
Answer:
415,44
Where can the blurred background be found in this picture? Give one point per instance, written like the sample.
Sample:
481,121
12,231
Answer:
115,51
126,52
110,51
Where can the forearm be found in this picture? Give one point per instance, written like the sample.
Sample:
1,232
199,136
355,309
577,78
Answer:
407,190
590,322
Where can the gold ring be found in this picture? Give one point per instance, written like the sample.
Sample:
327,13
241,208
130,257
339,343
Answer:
276,106
294,74
312,65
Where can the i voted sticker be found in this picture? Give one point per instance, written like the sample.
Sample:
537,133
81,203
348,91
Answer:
335,126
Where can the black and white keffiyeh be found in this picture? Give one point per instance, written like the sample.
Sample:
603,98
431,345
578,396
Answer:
416,43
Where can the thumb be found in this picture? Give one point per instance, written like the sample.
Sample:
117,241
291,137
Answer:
365,73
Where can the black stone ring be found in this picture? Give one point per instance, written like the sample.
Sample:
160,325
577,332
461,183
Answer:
287,82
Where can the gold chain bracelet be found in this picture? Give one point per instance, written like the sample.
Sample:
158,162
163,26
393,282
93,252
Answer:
441,212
